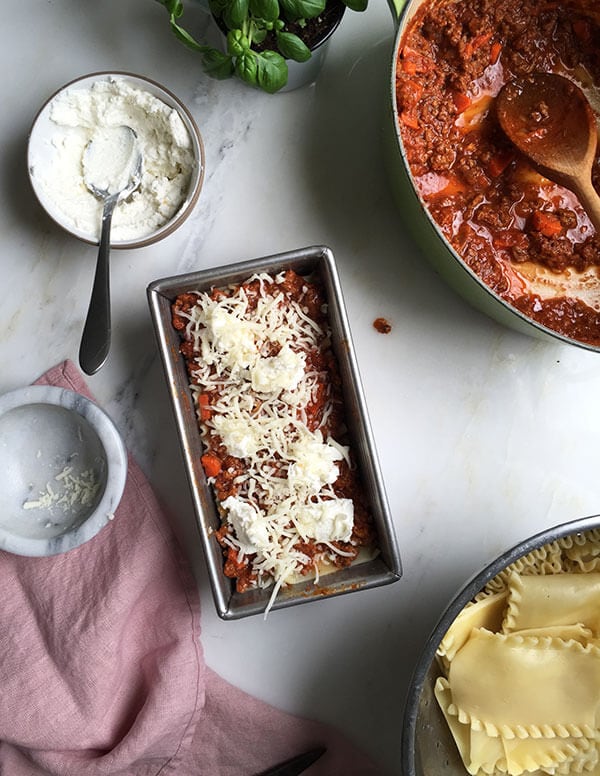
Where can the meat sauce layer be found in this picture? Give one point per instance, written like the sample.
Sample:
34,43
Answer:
323,413
504,218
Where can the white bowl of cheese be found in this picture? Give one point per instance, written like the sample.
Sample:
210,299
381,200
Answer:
168,137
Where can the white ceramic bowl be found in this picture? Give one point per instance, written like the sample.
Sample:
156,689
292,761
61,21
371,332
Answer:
63,467
46,138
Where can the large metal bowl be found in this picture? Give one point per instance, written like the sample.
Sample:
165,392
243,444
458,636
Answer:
435,248
428,748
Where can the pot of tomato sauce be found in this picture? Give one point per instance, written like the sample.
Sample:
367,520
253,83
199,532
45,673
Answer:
514,244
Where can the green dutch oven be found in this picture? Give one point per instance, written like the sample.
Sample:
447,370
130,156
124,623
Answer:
434,246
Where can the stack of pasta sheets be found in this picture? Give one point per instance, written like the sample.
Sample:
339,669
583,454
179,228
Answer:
520,684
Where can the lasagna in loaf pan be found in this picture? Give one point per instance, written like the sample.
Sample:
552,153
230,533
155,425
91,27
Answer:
275,434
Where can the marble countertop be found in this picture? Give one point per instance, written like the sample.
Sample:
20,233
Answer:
484,435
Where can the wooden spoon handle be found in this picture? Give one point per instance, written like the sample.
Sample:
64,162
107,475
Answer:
590,200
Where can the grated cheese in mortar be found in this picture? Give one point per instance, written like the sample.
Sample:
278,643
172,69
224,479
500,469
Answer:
71,491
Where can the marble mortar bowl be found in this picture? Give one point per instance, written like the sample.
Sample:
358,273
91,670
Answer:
63,467
428,748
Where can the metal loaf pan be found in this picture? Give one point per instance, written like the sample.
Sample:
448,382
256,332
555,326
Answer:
386,567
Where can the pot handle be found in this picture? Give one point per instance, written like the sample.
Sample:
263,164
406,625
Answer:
396,7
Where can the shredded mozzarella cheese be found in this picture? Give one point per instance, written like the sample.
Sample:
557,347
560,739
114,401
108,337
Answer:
252,360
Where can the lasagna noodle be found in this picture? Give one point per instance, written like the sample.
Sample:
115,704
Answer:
582,551
558,599
485,613
519,686
513,662
543,560
577,632
485,754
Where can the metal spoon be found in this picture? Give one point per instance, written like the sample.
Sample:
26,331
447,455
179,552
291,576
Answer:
550,120
112,165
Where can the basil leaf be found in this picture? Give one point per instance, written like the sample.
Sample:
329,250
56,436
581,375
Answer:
356,5
311,8
292,47
272,71
235,14
265,9
258,34
246,67
237,43
216,64
303,9
185,37
174,7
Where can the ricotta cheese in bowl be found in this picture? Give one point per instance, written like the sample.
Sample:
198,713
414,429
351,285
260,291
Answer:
172,149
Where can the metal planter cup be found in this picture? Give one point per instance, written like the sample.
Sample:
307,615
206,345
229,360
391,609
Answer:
299,73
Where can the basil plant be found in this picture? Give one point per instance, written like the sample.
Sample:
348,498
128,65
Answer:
258,41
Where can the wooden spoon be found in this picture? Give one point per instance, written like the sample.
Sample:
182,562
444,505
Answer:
549,119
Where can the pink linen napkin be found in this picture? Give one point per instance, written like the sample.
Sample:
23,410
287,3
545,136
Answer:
101,668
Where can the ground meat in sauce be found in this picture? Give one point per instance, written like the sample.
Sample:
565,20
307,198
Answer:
323,361
493,207
382,325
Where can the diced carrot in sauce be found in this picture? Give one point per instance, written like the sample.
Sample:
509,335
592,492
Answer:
409,120
471,46
499,163
205,410
211,464
461,101
546,223
408,66
453,186
495,52
412,90
481,40
413,62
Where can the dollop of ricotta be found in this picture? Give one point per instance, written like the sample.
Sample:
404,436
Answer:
327,521
251,528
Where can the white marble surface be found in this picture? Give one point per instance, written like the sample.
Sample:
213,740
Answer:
484,435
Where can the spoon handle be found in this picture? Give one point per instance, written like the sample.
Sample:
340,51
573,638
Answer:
590,200
95,340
